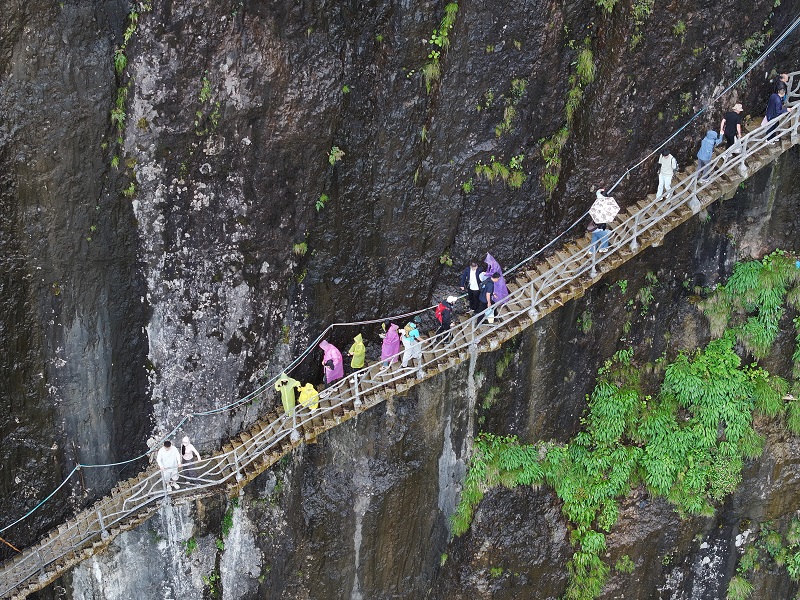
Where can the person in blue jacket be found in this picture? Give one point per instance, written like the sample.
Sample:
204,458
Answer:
775,108
711,140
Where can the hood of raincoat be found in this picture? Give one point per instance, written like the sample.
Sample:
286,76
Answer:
358,339
332,354
500,288
706,150
185,439
391,343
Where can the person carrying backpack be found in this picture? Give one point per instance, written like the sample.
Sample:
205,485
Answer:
444,314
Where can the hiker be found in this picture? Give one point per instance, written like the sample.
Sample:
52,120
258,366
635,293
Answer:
488,298
391,346
189,457
286,386
331,361
668,165
412,344
600,239
471,283
706,151
731,126
169,459
500,287
309,397
357,351
444,314
775,109
781,82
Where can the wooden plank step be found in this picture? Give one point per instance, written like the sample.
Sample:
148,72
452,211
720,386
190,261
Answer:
553,261
563,256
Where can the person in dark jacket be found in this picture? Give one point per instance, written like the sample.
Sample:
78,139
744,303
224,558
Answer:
487,298
781,83
471,283
447,315
775,109
706,151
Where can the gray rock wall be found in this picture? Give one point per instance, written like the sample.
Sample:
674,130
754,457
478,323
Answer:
124,312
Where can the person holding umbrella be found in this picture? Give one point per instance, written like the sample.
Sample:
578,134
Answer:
603,211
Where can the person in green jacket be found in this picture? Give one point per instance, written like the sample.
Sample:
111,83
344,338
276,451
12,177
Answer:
286,386
357,352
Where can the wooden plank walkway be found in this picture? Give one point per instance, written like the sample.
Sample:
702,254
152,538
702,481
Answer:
535,292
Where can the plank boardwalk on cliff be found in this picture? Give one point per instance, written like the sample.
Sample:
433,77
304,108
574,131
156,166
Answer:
535,292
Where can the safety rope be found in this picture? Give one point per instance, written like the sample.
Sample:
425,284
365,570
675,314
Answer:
329,328
755,63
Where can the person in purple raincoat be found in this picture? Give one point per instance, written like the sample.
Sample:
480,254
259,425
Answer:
331,362
500,287
391,346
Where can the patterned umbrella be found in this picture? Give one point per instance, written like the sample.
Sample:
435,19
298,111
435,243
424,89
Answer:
604,209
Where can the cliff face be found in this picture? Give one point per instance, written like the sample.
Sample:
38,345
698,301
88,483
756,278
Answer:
156,262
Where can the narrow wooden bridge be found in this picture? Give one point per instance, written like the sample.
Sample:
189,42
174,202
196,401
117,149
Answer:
565,274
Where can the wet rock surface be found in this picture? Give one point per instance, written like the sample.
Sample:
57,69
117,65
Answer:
122,312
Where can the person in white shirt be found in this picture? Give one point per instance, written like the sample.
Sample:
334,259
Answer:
471,283
169,460
668,166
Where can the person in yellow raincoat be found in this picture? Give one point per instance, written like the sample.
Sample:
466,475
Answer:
357,352
309,397
286,386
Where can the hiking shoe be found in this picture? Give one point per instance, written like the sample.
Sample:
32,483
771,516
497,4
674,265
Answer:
175,486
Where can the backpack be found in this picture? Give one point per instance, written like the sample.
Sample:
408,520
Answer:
439,310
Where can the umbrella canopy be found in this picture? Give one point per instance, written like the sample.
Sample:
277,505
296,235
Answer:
604,209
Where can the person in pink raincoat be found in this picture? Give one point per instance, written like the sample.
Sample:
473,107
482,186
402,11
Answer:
331,362
391,346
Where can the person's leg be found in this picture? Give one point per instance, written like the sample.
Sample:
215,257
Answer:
660,185
668,185
473,300
701,168
172,478
481,310
595,239
771,131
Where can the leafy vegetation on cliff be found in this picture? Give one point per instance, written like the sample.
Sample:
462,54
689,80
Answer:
687,443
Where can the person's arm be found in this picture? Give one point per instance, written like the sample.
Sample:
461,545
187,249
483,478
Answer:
722,126
739,129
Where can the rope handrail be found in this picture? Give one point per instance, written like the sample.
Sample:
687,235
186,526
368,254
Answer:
364,387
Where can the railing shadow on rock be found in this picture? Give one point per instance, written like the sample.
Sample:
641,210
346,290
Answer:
252,452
